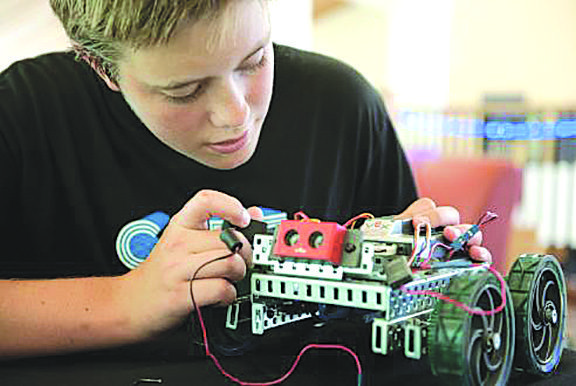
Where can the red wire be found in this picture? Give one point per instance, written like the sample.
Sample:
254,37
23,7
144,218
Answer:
291,370
356,218
415,252
288,373
427,260
463,306
486,218
301,216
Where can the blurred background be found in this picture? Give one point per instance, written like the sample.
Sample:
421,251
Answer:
481,93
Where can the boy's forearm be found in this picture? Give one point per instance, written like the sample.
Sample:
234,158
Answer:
54,316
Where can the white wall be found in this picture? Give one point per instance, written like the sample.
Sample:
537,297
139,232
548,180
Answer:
438,53
524,46
357,36
419,51
292,22
401,46
28,28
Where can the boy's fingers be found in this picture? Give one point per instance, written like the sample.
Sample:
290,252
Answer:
208,203
421,205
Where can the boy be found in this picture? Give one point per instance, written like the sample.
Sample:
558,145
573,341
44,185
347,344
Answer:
172,100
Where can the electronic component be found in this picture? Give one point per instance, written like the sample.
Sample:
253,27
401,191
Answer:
396,270
310,240
407,282
254,228
271,217
385,228
463,239
231,240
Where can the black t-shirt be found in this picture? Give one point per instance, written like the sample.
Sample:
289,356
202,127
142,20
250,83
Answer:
77,164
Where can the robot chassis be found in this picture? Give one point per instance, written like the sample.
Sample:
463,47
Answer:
307,267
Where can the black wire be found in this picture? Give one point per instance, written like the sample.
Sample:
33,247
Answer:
198,270
228,237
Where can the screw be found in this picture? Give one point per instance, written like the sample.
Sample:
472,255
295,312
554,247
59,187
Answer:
349,247
147,380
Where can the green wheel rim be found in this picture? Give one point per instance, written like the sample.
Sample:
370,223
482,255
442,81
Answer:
469,349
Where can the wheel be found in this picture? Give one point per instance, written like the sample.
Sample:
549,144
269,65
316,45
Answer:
539,292
467,348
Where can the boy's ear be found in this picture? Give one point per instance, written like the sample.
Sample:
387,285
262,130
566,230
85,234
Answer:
96,65
112,85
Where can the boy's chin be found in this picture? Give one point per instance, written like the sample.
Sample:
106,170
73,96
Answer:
226,162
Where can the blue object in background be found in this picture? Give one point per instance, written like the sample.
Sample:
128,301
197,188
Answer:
565,128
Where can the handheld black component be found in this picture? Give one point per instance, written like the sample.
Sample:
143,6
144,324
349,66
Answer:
254,228
231,240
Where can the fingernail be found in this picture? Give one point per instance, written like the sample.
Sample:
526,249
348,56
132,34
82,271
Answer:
246,218
485,255
457,232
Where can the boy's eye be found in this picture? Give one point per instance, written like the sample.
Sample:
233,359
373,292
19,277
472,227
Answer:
249,67
186,98
257,61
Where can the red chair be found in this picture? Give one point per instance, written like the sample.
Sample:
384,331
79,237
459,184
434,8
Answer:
474,186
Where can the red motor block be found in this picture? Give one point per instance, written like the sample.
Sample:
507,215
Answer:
310,240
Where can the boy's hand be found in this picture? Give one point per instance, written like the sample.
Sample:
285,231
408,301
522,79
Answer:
424,210
157,293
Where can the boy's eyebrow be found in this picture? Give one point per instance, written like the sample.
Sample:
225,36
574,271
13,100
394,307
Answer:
176,85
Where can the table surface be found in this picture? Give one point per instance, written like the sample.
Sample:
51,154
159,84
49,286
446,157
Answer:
317,367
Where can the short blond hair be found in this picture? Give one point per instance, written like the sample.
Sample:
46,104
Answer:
101,29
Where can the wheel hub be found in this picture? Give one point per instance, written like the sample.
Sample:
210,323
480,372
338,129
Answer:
496,341
493,341
550,313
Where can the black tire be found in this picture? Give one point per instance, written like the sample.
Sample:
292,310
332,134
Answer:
471,349
539,291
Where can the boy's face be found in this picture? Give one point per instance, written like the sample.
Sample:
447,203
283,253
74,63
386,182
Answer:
206,93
